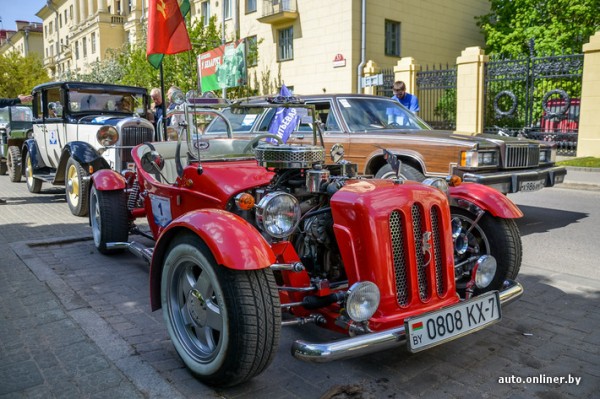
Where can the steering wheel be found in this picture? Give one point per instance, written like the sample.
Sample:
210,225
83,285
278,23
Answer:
254,141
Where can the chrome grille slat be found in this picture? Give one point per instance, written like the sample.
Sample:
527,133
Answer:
417,219
399,258
130,137
521,156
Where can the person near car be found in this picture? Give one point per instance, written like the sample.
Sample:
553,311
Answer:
157,108
410,101
22,98
7,102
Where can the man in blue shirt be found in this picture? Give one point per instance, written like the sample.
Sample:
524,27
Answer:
410,101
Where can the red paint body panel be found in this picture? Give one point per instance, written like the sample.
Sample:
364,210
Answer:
488,199
108,180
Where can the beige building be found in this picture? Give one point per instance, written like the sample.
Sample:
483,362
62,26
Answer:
312,45
26,40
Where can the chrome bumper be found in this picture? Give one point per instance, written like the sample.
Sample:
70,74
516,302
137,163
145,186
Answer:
375,342
511,180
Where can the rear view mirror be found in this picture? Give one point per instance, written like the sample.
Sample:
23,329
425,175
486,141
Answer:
152,162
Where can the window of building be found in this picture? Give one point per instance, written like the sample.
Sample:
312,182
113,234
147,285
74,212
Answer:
251,51
50,28
227,6
77,50
84,47
392,38
66,17
250,6
70,12
60,20
205,12
285,44
93,42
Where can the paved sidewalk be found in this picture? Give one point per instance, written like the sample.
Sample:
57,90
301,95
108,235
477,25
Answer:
67,330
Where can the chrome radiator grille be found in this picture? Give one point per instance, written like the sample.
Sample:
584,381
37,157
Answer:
427,253
522,156
132,136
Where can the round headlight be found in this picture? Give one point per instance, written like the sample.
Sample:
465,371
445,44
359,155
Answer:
439,183
107,136
278,214
363,300
484,270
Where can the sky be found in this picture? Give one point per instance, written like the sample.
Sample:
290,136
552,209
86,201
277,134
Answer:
24,10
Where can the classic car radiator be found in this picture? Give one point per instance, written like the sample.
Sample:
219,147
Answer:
132,136
521,156
427,253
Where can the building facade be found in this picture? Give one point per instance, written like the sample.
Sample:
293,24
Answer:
26,40
310,45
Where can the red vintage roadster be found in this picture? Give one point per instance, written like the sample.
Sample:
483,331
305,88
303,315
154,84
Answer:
245,231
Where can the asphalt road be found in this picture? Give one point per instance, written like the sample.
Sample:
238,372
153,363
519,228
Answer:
76,323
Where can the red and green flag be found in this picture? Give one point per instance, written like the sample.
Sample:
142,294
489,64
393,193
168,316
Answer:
167,33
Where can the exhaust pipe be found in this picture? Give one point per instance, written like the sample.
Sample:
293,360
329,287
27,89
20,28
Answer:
135,248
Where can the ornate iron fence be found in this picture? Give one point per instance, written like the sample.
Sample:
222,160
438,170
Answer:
538,97
436,90
388,81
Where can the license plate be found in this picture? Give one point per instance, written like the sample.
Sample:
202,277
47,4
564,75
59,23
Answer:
532,185
449,323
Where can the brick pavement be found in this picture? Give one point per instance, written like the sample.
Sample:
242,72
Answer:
75,323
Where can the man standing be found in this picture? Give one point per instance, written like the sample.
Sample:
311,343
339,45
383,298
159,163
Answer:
410,101
7,102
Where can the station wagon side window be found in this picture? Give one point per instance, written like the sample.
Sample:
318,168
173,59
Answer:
326,115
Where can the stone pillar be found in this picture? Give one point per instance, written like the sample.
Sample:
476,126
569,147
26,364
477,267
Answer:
588,142
90,7
83,14
77,12
470,90
406,71
101,6
369,70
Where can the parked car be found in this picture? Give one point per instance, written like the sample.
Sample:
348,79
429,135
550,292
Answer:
364,123
79,128
15,127
244,230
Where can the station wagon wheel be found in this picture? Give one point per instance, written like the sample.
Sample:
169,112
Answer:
13,163
490,236
224,323
34,185
77,188
109,218
406,171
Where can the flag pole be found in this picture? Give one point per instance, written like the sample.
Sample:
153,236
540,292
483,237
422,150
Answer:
163,105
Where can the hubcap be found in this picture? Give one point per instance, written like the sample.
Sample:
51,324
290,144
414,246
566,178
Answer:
73,185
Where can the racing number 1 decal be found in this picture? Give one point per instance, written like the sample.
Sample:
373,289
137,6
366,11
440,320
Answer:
161,210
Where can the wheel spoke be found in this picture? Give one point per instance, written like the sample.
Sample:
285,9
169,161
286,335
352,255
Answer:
203,285
214,318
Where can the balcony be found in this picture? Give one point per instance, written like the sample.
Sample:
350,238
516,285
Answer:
278,11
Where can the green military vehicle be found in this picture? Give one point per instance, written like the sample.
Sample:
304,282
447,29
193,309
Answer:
16,126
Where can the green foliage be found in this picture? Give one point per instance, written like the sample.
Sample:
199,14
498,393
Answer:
18,75
555,26
584,162
446,106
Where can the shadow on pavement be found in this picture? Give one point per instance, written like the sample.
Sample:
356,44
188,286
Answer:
538,220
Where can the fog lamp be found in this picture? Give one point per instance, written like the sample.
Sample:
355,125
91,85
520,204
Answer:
440,184
362,301
484,270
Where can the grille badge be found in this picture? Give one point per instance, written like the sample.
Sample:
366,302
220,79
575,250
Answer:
426,248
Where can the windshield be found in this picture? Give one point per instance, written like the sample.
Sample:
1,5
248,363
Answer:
86,100
17,114
241,122
368,114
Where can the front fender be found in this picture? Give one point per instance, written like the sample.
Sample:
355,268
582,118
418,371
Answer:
108,180
486,198
84,154
29,146
234,243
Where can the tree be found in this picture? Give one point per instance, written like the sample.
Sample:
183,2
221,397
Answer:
555,26
18,74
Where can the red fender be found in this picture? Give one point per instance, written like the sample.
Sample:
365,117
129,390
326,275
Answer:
486,198
107,180
233,242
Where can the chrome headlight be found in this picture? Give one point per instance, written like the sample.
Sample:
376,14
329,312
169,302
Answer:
484,270
437,182
363,300
475,159
107,136
278,214
547,155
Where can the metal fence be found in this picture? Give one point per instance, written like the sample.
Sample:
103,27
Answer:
535,96
436,90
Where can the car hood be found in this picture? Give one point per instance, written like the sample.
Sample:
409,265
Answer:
481,139
102,119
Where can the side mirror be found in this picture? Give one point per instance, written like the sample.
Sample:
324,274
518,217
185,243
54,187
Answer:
152,162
